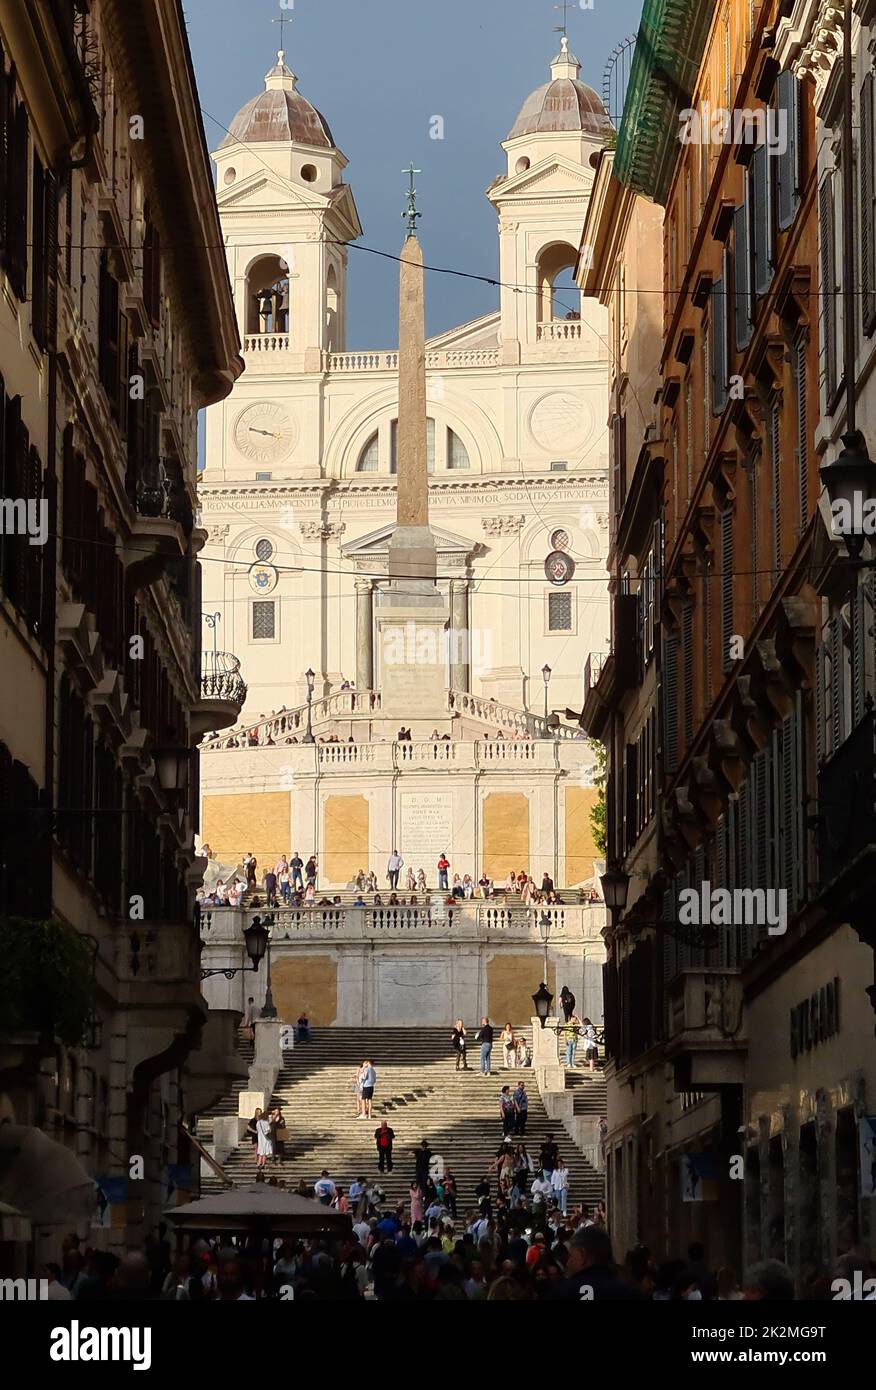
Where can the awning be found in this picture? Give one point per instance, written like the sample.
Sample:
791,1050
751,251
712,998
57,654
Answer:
43,1180
259,1207
663,77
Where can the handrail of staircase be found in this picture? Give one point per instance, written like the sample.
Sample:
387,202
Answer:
506,716
217,1167
286,722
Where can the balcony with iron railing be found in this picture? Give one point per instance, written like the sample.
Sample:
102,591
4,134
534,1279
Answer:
223,692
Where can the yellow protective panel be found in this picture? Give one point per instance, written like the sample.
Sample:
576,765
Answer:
506,835
256,821
345,839
512,980
305,982
580,848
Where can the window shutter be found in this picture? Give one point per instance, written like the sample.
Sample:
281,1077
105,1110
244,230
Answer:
670,952
866,229
798,876
787,162
827,258
726,587
755,538
761,213
720,881
38,244
630,833
688,420
741,277
802,429
5,132
670,699
775,419
761,818
720,293
837,722
51,258
707,388
687,670
706,620
820,712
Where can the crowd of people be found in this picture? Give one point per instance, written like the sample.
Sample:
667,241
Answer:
406,1254
292,882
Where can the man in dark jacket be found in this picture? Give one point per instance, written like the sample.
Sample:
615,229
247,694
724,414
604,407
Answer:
383,1138
589,1273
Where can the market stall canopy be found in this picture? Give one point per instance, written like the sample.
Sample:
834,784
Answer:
42,1179
259,1205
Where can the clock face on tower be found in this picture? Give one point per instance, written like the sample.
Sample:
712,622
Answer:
264,432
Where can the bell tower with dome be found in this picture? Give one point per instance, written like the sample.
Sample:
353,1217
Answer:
286,214
541,202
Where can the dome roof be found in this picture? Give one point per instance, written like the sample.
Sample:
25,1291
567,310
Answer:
280,113
563,104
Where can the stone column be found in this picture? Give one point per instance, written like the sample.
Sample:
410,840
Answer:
364,635
460,636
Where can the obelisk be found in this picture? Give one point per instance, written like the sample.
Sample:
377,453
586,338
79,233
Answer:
412,615
412,553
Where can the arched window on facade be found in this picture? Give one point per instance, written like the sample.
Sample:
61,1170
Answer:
332,312
369,458
453,452
267,296
558,296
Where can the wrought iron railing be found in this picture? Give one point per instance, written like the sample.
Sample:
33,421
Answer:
221,678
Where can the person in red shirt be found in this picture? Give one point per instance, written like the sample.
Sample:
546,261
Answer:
443,866
383,1138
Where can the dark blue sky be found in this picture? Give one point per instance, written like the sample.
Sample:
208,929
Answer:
379,70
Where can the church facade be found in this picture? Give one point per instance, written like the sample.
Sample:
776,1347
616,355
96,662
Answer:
298,493
306,462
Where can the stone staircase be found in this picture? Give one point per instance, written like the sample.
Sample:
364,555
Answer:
421,1095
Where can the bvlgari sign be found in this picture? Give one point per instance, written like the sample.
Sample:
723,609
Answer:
816,1019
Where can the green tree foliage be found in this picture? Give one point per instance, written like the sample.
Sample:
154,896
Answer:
45,979
597,811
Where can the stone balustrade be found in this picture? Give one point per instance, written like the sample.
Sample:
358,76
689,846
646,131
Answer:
459,755
388,361
223,927
266,342
559,331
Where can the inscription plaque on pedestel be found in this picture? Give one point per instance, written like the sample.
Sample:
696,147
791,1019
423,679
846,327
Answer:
426,830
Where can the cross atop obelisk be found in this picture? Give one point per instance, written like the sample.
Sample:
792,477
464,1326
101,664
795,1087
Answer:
412,547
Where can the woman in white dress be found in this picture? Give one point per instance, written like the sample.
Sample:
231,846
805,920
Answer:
412,880
264,1142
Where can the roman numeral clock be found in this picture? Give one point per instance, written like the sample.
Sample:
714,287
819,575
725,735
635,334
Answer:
265,432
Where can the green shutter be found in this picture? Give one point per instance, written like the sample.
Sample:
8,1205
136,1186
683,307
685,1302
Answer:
827,287
866,228
726,522
742,275
788,161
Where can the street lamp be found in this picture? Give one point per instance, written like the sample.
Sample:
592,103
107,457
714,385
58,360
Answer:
542,1001
268,1009
310,677
546,677
615,886
172,767
850,481
256,941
